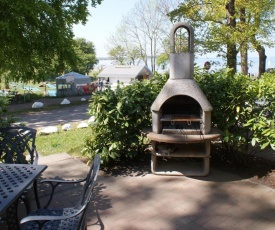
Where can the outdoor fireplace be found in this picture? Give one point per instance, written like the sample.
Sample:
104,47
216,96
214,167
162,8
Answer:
181,116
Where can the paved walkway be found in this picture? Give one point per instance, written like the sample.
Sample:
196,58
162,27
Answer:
66,114
133,198
52,116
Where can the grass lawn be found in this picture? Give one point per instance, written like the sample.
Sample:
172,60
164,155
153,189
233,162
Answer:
71,142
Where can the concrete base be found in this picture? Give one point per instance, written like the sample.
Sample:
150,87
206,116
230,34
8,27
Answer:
180,167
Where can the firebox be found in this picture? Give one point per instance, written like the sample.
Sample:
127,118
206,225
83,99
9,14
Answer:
181,116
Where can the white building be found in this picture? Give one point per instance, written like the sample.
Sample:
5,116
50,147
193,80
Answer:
125,73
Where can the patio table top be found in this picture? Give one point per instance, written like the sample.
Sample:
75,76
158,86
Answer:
14,179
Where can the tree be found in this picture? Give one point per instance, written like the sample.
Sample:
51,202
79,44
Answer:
261,28
33,33
121,49
86,57
143,29
238,25
119,54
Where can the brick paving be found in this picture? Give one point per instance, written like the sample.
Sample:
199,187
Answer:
133,198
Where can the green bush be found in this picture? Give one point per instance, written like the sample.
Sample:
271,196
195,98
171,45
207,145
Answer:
262,121
245,124
5,119
120,116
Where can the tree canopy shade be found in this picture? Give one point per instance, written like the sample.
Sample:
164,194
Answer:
33,33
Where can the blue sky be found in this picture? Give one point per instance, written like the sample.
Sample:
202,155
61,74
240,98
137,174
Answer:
105,19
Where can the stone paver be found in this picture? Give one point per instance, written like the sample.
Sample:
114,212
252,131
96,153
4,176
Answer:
136,199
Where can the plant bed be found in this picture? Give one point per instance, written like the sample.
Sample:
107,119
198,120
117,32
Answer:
256,169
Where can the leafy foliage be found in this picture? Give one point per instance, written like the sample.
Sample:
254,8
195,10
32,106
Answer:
34,33
243,109
85,52
236,25
120,117
119,54
262,124
5,119
243,119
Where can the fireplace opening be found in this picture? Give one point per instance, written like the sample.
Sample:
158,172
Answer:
181,105
181,114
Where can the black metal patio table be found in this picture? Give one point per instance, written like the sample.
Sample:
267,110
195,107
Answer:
14,179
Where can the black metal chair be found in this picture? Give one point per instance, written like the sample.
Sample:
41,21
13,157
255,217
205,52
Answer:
17,146
64,218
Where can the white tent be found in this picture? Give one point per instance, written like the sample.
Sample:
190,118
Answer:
125,73
67,84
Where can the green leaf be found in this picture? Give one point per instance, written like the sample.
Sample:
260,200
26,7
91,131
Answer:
119,104
253,142
106,121
264,145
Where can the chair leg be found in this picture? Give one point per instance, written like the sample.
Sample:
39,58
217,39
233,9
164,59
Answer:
25,198
35,189
12,217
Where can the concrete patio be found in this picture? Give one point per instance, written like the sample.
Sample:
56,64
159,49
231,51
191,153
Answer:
133,198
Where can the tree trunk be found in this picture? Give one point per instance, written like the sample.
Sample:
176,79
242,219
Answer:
262,57
231,47
232,57
262,60
155,53
243,47
152,55
244,59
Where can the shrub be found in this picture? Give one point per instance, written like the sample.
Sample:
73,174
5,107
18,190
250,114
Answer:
243,122
5,119
120,117
262,121
243,109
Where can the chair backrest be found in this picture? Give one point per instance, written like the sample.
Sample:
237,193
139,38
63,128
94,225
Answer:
17,145
90,180
68,218
88,189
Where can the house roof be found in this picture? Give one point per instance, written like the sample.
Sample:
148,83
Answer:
125,71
